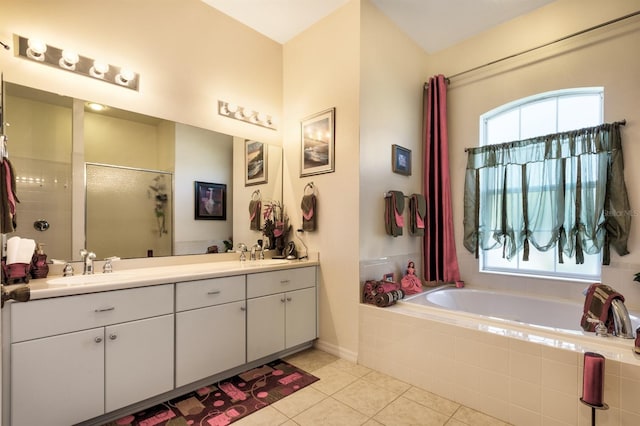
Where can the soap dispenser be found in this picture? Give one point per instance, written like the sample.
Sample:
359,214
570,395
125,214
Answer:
39,267
636,347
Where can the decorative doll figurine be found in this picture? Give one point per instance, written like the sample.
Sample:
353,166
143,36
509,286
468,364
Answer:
410,283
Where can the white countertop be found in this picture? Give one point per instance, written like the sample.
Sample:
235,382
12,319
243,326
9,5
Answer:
160,271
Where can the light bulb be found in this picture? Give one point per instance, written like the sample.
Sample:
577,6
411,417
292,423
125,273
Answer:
125,76
99,69
36,49
69,59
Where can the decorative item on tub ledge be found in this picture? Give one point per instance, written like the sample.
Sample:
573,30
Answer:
317,151
68,60
248,115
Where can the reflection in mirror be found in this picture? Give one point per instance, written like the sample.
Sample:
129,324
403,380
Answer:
49,151
128,211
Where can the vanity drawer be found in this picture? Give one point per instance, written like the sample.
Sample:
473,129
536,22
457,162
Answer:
48,317
265,283
214,291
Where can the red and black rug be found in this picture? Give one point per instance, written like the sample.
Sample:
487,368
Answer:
226,401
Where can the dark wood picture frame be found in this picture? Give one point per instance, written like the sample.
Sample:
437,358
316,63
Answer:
401,160
210,201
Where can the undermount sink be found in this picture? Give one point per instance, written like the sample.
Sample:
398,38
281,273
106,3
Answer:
87,279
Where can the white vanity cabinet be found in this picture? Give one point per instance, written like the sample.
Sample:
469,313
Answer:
77,357
210,327
281,310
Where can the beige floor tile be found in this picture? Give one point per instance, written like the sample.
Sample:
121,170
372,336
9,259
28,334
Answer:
372,422
476,418
431,400
454,422
403,412
299,401
351,368
332,380
311,359
386,382
366,397
266,416
330,412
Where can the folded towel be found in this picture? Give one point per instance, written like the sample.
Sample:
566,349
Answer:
393,209
388,298
309,213
417,211
597,305
255,207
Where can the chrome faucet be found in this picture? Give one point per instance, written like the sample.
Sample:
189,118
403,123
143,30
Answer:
87,260
256,247
622,325
243,250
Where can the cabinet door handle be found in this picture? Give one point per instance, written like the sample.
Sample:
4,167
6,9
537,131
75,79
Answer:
98,340
214,292
285,281
113,336
243,308
282,300
288,299
112,308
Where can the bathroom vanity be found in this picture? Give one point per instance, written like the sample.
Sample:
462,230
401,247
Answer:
96,347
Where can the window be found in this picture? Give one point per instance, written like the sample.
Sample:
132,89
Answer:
539,115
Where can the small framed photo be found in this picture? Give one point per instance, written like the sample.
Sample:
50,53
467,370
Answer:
401,160
318,143
211,201
255,160
389,278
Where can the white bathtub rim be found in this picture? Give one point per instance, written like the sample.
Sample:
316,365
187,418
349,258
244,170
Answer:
612,347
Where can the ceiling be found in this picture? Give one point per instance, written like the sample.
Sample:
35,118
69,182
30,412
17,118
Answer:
432,24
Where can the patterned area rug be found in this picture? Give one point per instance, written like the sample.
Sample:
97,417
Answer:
226,401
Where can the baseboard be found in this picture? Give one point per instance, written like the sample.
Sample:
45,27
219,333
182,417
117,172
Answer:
336,350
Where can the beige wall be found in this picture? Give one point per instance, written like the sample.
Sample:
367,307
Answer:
188,55
603,57
322,70
393,72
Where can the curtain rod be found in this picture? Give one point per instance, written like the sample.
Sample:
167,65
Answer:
622,122
604,24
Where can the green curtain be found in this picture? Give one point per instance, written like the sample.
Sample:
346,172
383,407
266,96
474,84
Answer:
564,191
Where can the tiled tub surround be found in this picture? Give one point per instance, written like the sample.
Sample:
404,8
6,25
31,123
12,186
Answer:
519,374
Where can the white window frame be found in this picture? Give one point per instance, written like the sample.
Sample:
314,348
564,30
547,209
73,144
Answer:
518,269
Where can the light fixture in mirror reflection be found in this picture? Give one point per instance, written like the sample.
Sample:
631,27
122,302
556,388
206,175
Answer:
69,60
248,115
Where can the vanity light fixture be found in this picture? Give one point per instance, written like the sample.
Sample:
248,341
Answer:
39,51
248,115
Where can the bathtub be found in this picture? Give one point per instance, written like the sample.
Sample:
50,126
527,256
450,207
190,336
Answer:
559,315
517,358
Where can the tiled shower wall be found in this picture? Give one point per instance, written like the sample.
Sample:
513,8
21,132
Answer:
517,381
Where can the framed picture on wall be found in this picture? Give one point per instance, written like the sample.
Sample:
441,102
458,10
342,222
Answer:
255,161
211,201
318,143
401,160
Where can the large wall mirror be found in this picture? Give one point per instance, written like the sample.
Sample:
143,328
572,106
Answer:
121,183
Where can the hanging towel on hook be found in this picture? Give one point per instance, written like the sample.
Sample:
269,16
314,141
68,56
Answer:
309,213
8,197
393,210
255,211
417,211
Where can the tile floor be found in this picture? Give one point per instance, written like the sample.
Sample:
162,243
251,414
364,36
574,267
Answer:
349,394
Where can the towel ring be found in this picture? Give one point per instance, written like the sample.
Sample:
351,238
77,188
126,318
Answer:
309,186
256,195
